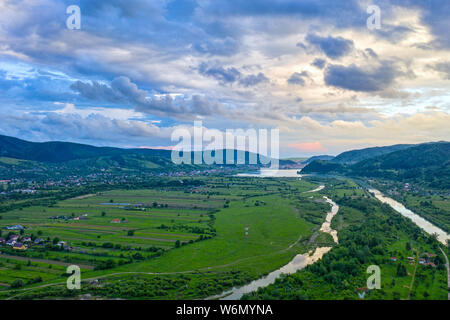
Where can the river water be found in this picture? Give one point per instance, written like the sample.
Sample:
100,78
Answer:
299,262
418,220
268,173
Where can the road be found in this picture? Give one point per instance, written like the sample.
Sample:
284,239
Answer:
447,265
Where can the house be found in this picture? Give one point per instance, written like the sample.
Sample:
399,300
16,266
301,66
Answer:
11,242
15,227
19,246
115,221
26,239
38,240
2,240
393,258
14,237
422,261
430,264
430,255
61,244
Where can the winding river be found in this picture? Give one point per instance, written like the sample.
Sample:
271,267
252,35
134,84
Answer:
299,262
425,225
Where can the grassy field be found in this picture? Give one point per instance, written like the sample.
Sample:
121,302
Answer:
174,230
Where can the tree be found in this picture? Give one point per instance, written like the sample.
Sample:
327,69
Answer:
130,233
401,270
408,246
177,244
17,283
103,213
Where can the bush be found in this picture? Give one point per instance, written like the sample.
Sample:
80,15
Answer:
17,283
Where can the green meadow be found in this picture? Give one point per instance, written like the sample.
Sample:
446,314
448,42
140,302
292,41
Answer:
173,230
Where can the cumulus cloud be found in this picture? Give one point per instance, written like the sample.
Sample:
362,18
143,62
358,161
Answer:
298,78
319,63
333,48
253,80
231,75
93,128
368,79
122,90
224,75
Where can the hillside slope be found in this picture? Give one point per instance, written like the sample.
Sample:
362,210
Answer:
428,162
354,156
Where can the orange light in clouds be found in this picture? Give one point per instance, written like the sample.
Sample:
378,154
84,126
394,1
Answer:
308,146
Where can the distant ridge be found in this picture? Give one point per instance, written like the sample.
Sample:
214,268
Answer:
321,157
58,152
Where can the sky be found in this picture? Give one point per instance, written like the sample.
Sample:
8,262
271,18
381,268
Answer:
138,70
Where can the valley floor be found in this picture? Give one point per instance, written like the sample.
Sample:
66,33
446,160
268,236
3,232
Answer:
191,241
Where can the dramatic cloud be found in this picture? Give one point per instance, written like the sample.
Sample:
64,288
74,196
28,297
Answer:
362,79
334,48
298,78
231,75
253,80
141,64
319,63
122,90
224,75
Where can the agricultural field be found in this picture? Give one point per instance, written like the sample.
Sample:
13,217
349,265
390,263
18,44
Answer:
159,233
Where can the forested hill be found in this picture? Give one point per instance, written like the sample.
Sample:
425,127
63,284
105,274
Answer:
428,162
354,156
56,151
321,157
